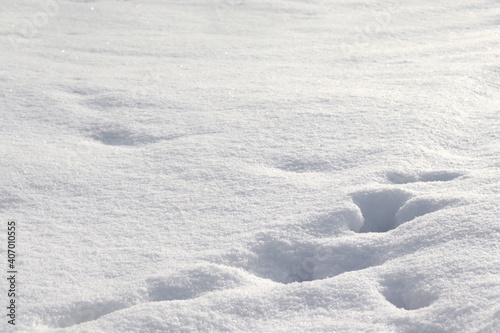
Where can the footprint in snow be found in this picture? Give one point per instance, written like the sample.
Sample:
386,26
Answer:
118,136
284,260
407,292
379,208
385,210
184,285
121,137
434,176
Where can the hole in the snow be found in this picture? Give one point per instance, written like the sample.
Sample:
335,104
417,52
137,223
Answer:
115,138
407,293
284,261
379,208
438,176
121,137
434,176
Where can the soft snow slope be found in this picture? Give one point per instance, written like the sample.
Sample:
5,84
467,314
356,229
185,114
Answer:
264,166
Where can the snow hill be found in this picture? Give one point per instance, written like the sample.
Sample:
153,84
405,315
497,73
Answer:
251,166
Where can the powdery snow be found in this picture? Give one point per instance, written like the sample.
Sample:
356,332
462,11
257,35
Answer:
261,166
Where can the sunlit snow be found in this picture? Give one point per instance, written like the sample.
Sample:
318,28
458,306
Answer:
258,166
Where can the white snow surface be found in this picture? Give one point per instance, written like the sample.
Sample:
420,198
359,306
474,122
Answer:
260,166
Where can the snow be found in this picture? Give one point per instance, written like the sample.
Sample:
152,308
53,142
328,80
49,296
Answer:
262,166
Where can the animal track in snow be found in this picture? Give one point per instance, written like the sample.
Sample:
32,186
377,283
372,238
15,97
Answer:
379,208
285,261
275,256
184,285
193,283
121,137
435,176
407,293
384,210
117,136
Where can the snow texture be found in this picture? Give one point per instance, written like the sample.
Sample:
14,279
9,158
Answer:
258,166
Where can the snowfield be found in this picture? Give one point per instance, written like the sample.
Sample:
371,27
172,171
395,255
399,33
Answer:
258,166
